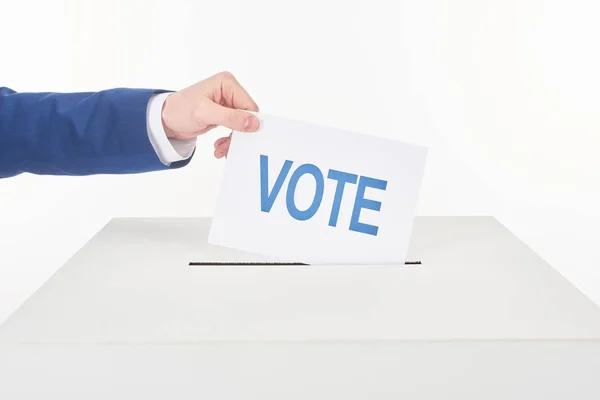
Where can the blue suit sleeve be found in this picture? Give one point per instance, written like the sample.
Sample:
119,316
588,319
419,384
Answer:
76,133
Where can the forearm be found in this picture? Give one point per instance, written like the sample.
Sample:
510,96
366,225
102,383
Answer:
76,133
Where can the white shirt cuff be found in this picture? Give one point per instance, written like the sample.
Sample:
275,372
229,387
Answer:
168,150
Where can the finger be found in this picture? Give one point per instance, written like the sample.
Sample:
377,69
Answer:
233,119
221,141
223,150
224,145
235,95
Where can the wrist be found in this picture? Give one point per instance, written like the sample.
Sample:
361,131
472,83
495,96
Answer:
168,131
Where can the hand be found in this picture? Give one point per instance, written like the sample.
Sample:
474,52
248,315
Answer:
207,104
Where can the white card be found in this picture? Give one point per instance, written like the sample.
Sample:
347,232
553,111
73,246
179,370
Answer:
300,192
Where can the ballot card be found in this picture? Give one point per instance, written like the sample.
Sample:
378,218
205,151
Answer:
301,192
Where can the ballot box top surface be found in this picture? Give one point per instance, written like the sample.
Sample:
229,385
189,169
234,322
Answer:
132,283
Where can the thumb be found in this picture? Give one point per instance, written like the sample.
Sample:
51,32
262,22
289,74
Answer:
233,119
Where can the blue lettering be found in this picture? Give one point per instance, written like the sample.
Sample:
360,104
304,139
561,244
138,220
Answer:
360,202
291,191
342,178
267,199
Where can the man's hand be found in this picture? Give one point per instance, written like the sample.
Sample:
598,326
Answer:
207,104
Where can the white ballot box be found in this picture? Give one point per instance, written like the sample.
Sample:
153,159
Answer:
128,317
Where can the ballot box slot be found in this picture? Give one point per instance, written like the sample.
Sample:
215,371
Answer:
259,264
235,263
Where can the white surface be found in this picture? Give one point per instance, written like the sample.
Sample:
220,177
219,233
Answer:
275,371
504,92
482,317
253,214
132,284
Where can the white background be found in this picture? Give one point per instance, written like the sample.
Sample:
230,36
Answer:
505,93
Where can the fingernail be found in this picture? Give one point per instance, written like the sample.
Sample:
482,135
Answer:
251,124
